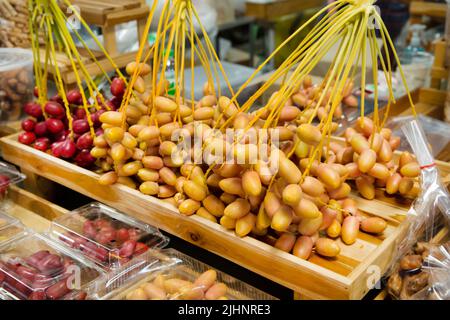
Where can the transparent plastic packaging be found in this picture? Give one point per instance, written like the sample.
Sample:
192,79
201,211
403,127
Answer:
37,268
437,132
106,236
171,275
437,265
430,211
10,228
6,296
16,82
8,175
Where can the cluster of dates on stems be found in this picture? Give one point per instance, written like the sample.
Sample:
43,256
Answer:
47,128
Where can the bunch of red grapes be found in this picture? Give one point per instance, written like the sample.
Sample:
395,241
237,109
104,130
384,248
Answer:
52,134
41,276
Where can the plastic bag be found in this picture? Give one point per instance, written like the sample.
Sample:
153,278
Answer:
437,132
409,278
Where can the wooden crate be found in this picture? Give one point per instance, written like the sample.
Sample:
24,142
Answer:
419,9
269,10
105,14
35,212
317,278
439,71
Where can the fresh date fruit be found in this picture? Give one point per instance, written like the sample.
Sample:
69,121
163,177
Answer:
68,149
84,159
37,295
42,144
122,235
80,126
33,109
54,109
36,257
51,264
140,248
40,129
27,138
74,97
58,290
54,125
28,125
127,249
117,87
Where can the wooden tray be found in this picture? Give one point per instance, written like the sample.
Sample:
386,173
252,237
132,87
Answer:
318,278
35,212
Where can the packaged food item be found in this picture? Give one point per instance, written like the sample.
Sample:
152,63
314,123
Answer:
436,132
10,228
106,236
8,175
16,82
171,275
36,268
437,265
408,278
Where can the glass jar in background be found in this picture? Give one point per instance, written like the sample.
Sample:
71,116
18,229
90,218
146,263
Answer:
16,82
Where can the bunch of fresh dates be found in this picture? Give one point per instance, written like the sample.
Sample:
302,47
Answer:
48,127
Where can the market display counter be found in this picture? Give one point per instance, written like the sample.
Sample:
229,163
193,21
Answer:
342,278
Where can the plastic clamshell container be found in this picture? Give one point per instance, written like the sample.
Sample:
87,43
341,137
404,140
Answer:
106,236
10,228
6,296
37,268
8,175
175,274
16,82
